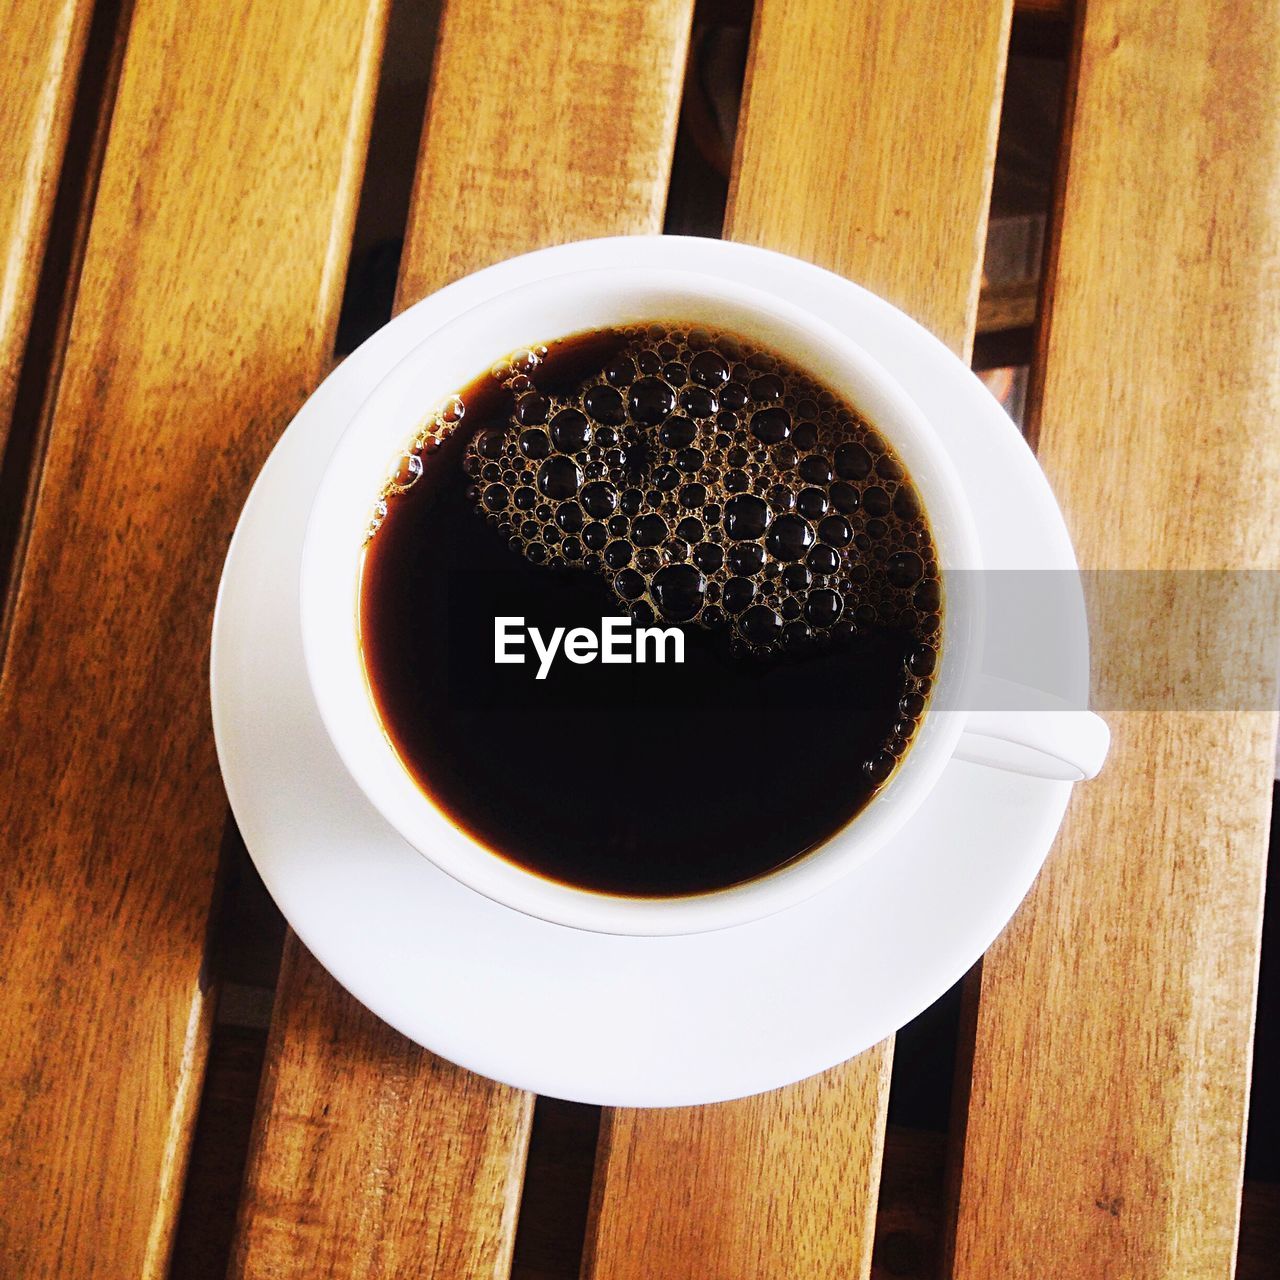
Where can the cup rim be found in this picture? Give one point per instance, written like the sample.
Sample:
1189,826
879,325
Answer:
387,420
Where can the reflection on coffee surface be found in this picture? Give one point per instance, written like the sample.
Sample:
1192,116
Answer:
690,480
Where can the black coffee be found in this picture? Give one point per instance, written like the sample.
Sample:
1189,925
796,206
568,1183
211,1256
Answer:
681,479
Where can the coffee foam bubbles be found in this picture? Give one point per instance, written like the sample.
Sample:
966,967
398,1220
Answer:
713,485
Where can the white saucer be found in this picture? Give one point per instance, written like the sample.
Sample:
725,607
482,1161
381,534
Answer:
592,1018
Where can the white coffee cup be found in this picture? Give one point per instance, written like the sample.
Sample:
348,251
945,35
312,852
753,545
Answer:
1051,742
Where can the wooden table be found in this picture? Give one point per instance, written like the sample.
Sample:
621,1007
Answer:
193,169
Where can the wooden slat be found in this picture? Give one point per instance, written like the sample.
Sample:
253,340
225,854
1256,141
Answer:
775,1186
785,1185
1112,1049
839,192
572,139
372,1157
39,62
207,304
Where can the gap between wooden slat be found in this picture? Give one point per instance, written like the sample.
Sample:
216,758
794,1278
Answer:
557,1191
1002,350
1053,237
242,968
39,68
27,398
1260,1206
1060,9
385,199
1259,1231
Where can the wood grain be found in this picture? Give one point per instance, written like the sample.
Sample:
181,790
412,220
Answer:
779,1185
207,303
843,189
376,1158
785,1185
1112,1051
39,64
572,139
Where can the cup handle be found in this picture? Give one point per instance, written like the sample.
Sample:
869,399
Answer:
1028,731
